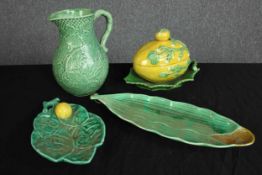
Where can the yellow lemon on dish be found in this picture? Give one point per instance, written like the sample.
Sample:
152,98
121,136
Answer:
63,110
163,59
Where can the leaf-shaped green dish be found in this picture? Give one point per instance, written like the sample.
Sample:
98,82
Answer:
177,121
74,140
133,78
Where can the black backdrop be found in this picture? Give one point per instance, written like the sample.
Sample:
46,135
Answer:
233,90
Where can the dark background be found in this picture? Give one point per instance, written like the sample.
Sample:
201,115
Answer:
214,30
234,92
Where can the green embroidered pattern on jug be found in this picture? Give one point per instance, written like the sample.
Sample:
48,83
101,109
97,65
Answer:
168,52
80,63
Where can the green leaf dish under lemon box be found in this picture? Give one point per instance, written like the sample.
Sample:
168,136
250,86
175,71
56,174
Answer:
134,79
177,120
67,133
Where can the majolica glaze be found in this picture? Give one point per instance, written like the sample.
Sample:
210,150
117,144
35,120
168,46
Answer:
177,121
161,60
189,75
72,140
80,64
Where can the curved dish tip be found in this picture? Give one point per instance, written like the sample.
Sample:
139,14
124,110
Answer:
240,137
94,96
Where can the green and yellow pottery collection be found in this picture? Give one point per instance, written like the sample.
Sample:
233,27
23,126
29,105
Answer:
66,132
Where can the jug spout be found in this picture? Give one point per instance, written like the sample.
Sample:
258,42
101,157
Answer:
73,25
70,14
71,22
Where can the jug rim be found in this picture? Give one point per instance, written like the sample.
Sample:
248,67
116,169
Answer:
71,14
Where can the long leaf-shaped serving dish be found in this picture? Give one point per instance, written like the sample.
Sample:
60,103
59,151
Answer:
177,121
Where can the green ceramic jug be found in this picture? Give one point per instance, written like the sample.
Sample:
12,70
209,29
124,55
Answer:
80,63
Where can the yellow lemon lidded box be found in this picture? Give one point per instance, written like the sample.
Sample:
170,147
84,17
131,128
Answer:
161,60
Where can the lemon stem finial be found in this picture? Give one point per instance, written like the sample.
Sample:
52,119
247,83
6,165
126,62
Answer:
163,35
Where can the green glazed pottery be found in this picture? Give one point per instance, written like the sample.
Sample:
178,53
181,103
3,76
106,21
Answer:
177,121
73,140
80,63
189,75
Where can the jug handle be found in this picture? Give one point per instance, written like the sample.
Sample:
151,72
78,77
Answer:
109,21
